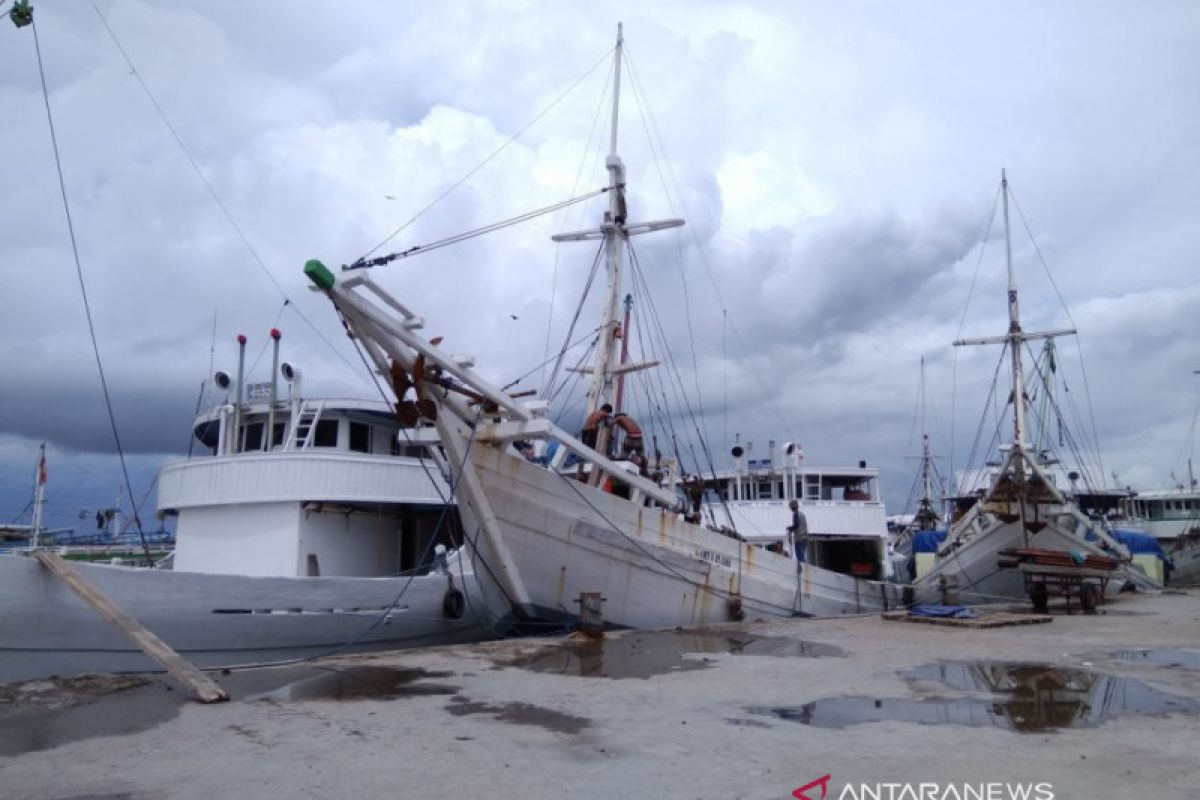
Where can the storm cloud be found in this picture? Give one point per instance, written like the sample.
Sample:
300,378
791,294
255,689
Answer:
836,166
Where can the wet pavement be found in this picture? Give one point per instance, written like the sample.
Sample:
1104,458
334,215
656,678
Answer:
1162,656
1090,705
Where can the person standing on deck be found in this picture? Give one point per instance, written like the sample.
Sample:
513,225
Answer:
798,531
591,425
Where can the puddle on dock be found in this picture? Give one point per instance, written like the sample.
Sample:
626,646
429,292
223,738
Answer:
42,715
360,683
520,714
647,653
1026,698
1161,656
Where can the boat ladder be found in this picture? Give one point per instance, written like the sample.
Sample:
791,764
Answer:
304,426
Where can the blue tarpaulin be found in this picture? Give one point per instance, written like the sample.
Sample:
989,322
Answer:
956,612
927,541
1139,542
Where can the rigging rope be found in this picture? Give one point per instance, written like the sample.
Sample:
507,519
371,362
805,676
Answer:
83,291
416,250
587,149
983,242
257,259
483,163
587,288
1078,341
653,134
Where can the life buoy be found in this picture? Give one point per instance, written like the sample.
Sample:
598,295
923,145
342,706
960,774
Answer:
454,604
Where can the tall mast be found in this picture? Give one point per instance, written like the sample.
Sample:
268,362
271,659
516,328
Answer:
614,239
1015,338
926,456
39,498
615,230
1191,476
619,403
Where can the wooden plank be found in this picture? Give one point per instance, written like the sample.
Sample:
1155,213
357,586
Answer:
205,688
1065,572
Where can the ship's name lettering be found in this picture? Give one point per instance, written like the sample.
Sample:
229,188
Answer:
715,558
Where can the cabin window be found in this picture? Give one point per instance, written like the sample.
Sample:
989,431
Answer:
252,438
277,434
765,490
326,434
360,437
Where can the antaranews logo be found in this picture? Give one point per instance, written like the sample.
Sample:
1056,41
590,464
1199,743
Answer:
927,790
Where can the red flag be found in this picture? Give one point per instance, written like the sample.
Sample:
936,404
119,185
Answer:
42,470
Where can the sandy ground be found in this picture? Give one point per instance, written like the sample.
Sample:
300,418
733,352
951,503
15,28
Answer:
471,722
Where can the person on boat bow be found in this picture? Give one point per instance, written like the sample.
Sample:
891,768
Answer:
591,425
798,531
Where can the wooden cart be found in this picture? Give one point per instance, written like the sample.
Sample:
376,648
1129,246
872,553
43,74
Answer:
1044,581
1056,573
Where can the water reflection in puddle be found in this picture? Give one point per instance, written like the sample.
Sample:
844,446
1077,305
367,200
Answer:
646,653
360,683
1026,698
128,710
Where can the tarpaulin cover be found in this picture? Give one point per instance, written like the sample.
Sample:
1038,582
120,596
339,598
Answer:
957,612
927,541
1139,542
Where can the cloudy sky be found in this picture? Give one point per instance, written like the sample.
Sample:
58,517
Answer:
837,164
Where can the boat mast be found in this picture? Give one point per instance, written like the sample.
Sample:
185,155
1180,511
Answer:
926,512
1015,339
1015,336
615,230
1191,476
39,499
614,239
618,404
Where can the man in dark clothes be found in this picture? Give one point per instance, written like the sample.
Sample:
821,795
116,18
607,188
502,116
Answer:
798,530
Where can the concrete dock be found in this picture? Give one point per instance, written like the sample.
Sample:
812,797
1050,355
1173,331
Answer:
1087,706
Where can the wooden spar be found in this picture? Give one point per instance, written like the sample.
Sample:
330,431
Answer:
207,691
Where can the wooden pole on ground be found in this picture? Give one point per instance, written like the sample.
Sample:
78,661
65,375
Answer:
207,691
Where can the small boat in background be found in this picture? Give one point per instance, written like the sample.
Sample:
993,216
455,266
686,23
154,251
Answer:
1017,504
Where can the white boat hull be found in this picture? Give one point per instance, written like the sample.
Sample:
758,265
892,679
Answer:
653,569
221,620
1186,562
